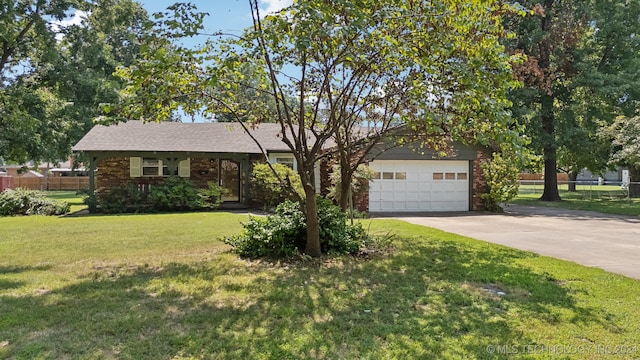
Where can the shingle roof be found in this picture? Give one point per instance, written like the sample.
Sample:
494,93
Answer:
181,137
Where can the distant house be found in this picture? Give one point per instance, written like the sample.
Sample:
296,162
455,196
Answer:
60,168
614,176
144,154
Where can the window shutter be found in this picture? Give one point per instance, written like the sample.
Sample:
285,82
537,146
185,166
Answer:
184,168
135,167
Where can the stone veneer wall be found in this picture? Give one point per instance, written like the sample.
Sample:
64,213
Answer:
479,181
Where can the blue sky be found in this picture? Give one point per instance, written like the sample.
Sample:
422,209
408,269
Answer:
229,16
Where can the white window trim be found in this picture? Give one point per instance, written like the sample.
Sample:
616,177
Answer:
273,159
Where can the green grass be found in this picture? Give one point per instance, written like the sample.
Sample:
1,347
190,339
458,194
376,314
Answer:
72,197
605,199
163,287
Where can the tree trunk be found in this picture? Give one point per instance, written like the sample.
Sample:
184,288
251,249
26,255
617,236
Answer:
573,177
550,192
345,185
634,178
312,248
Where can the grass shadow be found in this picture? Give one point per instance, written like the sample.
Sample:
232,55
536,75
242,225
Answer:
11,269
431,299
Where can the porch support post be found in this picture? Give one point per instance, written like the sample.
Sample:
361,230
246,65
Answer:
246,163
93,162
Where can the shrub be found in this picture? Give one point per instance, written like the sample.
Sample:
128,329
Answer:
268,191
30,202
284,233
175,193
117,200
502,177
211,196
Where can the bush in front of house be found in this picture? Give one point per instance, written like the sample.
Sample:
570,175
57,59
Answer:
117,200
283,234
211,196
173,194
30,202
267,190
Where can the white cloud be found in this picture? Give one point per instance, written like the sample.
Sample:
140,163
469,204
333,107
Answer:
271,6
77,18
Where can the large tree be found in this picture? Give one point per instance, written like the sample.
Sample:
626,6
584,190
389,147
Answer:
581,71
435,68
55,76
27,43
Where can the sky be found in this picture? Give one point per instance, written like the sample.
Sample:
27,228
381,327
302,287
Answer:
228,16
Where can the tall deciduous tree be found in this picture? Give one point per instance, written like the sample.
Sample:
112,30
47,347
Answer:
436,69
55,76
27,43
581,70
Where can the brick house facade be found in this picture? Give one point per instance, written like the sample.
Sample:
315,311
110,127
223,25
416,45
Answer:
224,154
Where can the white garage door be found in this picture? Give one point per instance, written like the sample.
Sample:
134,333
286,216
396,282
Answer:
419,185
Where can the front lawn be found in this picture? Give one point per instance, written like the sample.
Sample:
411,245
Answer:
72,197
162,287
604,199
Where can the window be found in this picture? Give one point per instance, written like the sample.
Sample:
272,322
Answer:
154,167
387,175
286,161
462,176
401,176
450,176
376,175
438,176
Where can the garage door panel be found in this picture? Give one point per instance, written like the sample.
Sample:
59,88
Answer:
420,185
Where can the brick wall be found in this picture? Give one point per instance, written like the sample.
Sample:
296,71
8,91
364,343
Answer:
203,170
113,172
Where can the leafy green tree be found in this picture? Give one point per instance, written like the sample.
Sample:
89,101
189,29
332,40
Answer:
436,69
55,77
624,137
27,44
581,71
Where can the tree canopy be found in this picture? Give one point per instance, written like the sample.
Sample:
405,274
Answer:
55,76
580,73
436,68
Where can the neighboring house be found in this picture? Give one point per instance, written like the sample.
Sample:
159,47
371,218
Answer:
614,176
61,168
144,153
31,174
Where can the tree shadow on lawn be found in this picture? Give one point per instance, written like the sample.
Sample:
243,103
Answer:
6,284
433,300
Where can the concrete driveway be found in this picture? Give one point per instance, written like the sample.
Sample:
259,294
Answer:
610,242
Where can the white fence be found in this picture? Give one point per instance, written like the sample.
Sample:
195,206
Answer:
590,189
